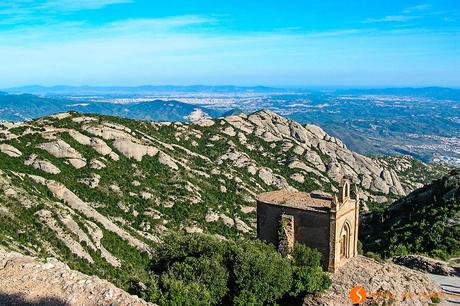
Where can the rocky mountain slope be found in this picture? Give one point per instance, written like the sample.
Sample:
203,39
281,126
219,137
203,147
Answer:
97,192
26,280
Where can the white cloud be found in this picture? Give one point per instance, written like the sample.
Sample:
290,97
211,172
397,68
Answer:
149,24
391,18
72,5
17,11
410,13
190,49
417,8
62,32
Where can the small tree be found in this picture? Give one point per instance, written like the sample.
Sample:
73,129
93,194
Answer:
207,272
178,292
261,274
308,276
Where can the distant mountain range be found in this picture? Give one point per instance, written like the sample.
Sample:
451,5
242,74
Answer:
147,89
432,92
27,106
438,92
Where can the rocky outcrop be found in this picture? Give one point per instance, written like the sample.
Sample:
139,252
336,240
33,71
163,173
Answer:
97,164
41,164
96,143
385,284
100,146
106,132
134,150
165,159
10,150
62,149
62,193
61,116
424,264
92,181
46,217
26,280
309,140
197,115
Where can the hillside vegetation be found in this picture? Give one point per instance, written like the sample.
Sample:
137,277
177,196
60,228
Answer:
100,193
426,221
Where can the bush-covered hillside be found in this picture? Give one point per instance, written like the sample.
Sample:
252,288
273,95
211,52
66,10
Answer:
100,193
426,221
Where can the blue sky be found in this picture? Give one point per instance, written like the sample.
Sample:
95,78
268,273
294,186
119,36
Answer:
270,42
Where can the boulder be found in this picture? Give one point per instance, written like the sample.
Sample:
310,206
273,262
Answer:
80,138
41,164
424,264
229,131
10,150
241,226
298,178
92,181
313,158
100,146
266,175
62,149
134,150
386,283
165,159
96,164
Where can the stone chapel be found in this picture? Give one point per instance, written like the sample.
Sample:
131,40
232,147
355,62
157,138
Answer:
325,222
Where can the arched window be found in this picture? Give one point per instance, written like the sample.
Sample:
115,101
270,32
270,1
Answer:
345,239
346,190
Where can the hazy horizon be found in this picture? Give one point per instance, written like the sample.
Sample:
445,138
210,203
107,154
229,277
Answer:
284,87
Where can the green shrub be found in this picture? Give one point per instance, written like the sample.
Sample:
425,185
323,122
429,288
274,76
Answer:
261,274
178,292
374,256
177,247
360,248
440,254
435,300
209,273
149,291
399,250
198,269
308,276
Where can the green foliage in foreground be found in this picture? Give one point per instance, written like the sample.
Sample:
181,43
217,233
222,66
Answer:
308,276
198,269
